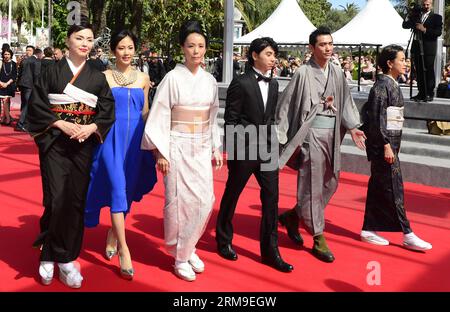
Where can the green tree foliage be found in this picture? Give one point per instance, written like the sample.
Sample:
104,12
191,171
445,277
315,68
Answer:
156,22
350,9
164,19
22,11
59,23
338,18
316,11
254,12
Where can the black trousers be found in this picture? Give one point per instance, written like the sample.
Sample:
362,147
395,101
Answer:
430,80
239,171
65,170
25,95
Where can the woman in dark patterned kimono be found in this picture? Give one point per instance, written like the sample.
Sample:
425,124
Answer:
71,109
383,122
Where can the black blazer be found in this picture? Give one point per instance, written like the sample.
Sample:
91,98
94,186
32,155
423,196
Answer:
245,106
433,24
29,71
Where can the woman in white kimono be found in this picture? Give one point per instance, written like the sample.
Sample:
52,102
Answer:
182,132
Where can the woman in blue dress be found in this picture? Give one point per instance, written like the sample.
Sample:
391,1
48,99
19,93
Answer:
121,171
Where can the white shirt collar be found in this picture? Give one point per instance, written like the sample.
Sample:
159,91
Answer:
267,74
425,16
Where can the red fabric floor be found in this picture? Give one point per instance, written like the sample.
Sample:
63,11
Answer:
428,209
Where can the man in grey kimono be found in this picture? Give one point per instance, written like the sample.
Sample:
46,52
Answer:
313,115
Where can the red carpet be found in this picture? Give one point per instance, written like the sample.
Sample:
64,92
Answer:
428,209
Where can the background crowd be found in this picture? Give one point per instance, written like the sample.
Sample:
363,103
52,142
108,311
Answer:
156,66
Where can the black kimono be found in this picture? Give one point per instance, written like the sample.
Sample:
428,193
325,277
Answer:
65,163
384,205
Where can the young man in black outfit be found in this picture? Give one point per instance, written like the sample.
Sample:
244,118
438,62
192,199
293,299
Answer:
250,109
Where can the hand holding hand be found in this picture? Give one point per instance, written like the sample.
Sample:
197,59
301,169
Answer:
84,132
67,127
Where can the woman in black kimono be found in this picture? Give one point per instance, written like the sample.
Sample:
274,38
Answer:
8,76
71,110
383,122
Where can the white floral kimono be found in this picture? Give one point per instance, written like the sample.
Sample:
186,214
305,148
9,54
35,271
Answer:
182,125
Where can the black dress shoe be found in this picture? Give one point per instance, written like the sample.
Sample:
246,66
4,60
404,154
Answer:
20,128
418,98
289,220
430,98
227,252
278,264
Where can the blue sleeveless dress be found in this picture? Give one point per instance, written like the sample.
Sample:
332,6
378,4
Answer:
121,172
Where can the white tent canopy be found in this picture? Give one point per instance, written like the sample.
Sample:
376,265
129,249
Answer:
287,24
377,23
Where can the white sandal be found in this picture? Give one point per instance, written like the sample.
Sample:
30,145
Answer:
70,277
46,269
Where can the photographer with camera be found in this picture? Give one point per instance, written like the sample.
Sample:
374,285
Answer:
427,27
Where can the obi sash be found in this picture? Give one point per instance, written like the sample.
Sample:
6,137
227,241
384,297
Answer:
189,119
324,122
74,104
394,118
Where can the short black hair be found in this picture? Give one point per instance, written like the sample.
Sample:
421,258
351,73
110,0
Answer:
320,31
258,45
48,52
389,53
37,51
191,27
119,36
84,24
5,46
30,46
9,51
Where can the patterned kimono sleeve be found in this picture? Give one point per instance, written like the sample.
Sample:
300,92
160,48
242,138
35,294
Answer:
378,103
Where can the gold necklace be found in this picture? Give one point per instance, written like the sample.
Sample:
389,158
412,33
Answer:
122,80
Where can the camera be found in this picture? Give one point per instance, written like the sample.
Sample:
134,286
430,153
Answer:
415,12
